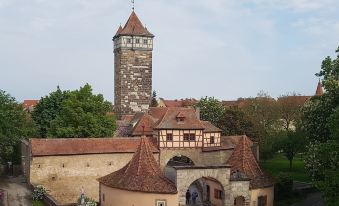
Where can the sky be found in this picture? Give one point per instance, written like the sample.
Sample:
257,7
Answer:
222,48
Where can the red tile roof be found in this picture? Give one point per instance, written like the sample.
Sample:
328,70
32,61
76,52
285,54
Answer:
133,27
179,103
209,127
29,104
141,174
169,121
74,146
144,125
243,160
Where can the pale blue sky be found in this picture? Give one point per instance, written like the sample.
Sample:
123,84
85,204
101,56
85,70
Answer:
222,48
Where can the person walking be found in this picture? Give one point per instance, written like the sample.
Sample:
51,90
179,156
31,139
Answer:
188,197
194,197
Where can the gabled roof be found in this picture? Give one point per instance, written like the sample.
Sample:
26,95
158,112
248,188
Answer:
242,160
169,120
133,27
319,90
74,146
144,125
141,174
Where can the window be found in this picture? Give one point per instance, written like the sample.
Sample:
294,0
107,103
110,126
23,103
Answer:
129,41
262,200
103,197
169,137
186,137
192,137
189,137
160,203
137,41
212,140
145,41
217,194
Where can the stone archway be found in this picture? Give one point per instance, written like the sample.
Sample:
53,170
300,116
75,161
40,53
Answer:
185,176
193,154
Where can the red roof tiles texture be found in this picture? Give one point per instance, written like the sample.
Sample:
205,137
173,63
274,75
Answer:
169,121
179,103
243,160
141,174
144,126
133,27
74,146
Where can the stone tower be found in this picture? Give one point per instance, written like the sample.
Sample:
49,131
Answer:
133,45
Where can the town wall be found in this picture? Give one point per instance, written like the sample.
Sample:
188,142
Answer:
64,175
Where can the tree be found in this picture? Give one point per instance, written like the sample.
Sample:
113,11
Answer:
235,122
289,108
263,113
154,102
293,143
83,114
320,122
211,110
48,109
15,124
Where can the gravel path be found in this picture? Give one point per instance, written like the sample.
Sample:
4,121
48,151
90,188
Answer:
18,192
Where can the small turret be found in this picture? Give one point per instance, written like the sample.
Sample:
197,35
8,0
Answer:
319,90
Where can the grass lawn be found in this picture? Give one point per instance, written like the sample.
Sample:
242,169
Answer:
280,164
37,203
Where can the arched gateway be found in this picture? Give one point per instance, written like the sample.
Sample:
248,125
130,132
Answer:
186,175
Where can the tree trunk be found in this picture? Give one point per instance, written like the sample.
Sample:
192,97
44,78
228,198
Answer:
291,164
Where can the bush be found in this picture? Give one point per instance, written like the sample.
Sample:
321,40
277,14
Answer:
284,186
39,192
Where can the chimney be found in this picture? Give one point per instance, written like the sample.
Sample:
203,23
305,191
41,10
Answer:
197,112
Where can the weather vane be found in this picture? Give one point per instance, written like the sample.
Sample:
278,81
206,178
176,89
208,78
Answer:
132,4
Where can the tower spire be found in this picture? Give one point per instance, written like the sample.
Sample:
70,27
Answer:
132,1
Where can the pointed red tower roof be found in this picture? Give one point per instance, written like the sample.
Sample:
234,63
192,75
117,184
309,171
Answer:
134,27
319,90
118,31
141,174
242,160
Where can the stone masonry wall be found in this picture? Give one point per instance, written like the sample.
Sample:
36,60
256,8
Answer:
132,81
64,176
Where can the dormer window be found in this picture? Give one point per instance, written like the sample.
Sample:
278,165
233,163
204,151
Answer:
180,117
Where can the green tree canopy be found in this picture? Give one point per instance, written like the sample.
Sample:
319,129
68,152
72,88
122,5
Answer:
211,110
83,114
15,124
320,122
47,110
236,122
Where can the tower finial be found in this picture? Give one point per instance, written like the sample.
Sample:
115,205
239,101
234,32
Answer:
132,4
